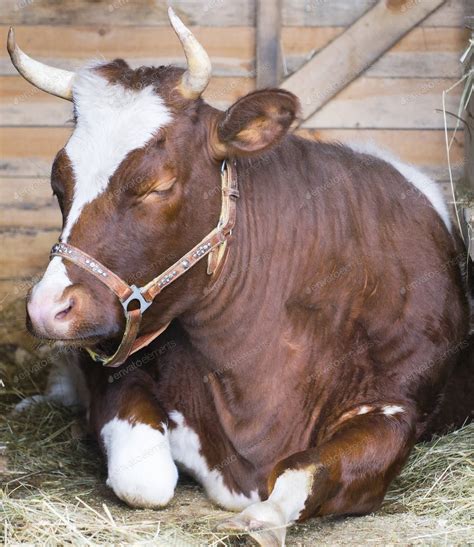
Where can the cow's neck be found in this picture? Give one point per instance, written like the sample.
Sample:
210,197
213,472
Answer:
241,327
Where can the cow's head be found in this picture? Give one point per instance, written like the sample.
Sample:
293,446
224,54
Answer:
138,181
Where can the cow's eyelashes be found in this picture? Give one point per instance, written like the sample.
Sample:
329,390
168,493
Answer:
160,140
163,188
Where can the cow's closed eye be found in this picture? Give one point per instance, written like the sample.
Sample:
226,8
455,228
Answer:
162,188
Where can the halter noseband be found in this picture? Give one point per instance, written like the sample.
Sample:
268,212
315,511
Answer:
213,246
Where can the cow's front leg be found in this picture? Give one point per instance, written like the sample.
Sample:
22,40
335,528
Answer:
348,474
132,430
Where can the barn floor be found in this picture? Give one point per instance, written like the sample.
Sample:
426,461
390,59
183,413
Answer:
52,484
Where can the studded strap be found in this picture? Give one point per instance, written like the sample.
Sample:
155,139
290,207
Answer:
121,289
213,245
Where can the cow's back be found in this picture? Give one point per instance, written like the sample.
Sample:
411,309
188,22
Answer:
379,266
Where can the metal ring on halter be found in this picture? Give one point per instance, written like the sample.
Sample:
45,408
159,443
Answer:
136,295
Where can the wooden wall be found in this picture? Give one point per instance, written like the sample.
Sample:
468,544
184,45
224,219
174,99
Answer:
395,102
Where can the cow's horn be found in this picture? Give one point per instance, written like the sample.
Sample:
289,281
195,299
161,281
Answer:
198,74
52,80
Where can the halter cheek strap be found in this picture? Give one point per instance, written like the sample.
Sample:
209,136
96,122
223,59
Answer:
213,246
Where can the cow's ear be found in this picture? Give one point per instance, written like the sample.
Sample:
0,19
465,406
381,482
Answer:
255,122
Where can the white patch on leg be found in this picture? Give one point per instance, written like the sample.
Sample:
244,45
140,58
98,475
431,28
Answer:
141,470
390,410
66,384
418,179
186,450
270,518
291,491
29,402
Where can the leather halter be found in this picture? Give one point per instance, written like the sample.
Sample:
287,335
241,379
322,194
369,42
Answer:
213,246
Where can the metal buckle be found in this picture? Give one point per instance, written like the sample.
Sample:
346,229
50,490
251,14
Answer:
136,295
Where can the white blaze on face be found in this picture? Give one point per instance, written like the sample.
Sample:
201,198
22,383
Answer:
111,122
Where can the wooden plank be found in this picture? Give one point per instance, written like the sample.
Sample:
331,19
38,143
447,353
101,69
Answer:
353,51
222,92
12,289
29,151
126,12
402,103
28,203
423,53
16,288
424,149
213,13
231,50
23,104
316,13
451,14
25,252
268,50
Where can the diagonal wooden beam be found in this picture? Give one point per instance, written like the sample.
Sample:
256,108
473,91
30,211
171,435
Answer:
331,69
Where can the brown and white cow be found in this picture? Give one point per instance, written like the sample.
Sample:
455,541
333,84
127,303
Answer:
295,381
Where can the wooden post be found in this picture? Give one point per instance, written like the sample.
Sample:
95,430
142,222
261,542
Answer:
268,54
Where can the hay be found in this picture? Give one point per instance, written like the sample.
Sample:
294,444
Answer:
53,487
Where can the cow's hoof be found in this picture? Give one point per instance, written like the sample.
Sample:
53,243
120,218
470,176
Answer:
262,533
29,402
144,487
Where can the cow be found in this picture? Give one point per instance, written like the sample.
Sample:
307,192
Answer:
310,313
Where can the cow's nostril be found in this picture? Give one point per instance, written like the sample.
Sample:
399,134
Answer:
64,312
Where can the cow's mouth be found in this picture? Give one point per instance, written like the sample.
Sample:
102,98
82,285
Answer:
82,342
77,342
95,337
